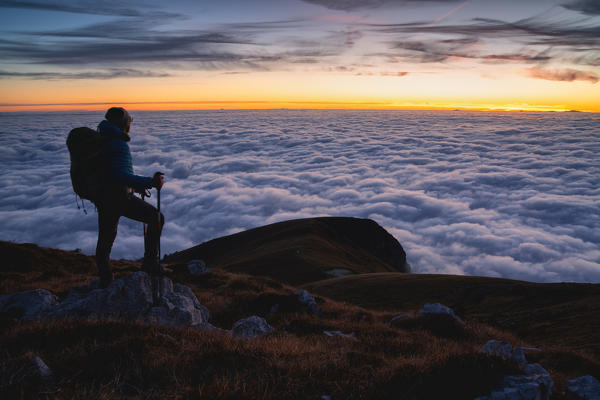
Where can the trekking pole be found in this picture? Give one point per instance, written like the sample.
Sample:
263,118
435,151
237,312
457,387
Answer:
159,221
144,224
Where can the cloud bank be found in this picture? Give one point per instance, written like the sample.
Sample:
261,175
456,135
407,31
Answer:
511,195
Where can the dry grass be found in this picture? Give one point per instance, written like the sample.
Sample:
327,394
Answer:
417,358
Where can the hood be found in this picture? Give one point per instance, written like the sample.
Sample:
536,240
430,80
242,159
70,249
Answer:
110,130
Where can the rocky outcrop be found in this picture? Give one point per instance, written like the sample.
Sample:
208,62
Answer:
583,388
251,327
137,297
534,384
27,305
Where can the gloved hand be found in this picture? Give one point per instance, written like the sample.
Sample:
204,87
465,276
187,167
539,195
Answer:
158,180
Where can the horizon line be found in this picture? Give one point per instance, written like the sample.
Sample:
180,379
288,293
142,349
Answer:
273,105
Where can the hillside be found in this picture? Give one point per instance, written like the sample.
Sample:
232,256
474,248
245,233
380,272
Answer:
303,250
417,358
553,314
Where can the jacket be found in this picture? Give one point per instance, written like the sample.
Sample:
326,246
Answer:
117,159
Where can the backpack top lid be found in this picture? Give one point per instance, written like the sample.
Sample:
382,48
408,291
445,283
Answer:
84,142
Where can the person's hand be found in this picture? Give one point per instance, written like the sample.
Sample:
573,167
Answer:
143,192
158,180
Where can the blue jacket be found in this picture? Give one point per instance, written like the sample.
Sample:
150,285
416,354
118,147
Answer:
117,158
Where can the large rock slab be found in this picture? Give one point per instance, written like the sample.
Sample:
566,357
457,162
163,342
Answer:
136,297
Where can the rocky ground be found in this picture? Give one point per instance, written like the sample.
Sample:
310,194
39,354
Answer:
208,332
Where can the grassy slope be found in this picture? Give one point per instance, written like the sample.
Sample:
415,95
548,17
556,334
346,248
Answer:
419,359
557,314
308,247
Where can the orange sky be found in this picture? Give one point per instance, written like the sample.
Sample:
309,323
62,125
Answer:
539,56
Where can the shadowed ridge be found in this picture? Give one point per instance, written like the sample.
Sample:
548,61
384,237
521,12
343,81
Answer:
303,250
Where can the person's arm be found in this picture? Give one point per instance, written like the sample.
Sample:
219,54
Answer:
121,169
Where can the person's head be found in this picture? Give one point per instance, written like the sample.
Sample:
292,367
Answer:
120,117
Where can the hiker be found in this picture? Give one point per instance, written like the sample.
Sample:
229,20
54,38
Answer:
117,196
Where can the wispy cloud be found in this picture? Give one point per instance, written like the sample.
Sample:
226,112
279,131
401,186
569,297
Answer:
564,75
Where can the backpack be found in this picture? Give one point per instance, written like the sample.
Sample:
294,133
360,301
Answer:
85,148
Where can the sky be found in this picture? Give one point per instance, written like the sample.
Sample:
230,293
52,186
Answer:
538,55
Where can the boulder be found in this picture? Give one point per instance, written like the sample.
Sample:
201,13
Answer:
308,301
197,267
29,304
535,384
439,309
137,296
251,327
505,351
583,388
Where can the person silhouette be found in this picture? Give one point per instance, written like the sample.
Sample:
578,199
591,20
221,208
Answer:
117,196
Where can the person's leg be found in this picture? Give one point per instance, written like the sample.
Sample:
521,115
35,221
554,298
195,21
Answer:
108,221
139,210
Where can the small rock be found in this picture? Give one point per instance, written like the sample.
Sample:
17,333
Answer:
309,301
29,304
340,334
438,309
197,267
251,327
400,317
583,388
530,350
40,368
505,351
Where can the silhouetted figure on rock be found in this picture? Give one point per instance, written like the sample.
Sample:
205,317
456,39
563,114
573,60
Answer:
117,197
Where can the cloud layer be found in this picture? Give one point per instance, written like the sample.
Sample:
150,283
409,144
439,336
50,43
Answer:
498,194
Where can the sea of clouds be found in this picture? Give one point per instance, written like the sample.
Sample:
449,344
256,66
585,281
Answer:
513,195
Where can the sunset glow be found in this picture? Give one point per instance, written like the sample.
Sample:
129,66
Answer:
538,56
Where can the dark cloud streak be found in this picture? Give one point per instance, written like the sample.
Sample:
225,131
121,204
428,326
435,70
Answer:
565,75
591,7
110,8
110,74
350,5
